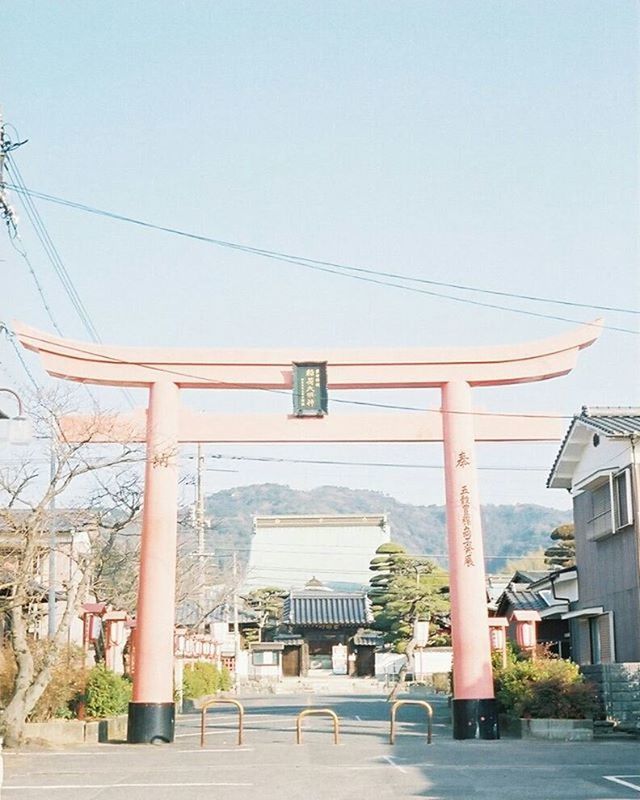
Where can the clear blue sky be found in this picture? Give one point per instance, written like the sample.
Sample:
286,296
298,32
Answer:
493,144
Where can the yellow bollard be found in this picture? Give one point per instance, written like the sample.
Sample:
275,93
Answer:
396,706
210,703
327,712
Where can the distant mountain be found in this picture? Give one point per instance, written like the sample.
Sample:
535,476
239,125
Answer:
510,531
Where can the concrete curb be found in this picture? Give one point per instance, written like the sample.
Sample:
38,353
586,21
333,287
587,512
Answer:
565,730
74,731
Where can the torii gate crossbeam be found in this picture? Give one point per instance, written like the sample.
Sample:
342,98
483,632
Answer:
455,371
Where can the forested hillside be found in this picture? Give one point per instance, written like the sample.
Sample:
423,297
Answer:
510,531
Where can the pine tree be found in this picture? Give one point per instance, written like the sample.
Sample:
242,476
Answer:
404,589
563,552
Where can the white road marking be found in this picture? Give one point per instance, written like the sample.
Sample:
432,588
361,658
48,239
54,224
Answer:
618,779
218,750
359,767
67,786
358,718
390,760
120,750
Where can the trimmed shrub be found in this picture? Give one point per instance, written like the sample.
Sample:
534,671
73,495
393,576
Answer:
106,693
441,682
546,687
7,675
204,678
68,678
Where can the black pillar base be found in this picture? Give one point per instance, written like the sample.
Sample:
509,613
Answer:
151,723
475,719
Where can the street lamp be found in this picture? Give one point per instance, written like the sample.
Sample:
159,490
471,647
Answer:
14,430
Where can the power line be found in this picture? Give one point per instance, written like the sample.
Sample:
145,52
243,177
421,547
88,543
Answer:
345,270
328,462
16,238
466,288
11,337
51,252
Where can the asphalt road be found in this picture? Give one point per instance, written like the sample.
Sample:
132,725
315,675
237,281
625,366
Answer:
271,766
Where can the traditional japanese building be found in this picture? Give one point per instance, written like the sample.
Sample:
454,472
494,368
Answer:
326,632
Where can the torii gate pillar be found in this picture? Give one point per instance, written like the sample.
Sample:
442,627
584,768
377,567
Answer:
152,710
455,371
474,711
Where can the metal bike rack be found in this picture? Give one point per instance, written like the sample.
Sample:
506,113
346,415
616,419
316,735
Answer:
396,706
327,712
210,703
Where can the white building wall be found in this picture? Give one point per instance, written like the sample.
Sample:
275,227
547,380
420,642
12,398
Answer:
432,660
388,665
291,555
610,454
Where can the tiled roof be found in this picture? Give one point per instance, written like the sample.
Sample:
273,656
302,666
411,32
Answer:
623,423
529,575
368,639
289,639
315,609
525,600
612,422
548,577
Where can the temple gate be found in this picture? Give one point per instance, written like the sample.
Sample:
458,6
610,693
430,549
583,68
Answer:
165,425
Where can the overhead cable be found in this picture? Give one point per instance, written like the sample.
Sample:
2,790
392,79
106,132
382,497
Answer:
344,270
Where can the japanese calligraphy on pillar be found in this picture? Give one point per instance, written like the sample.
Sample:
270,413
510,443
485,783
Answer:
464,460
467,543
310,389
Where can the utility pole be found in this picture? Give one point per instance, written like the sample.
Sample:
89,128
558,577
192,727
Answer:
6,212
4,206
199,524
1,151
236,629
51,597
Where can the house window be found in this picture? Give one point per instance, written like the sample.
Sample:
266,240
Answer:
600,523
610,504
596,636
263,658
594,640
623,512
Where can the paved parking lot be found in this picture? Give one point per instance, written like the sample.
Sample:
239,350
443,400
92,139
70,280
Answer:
270,765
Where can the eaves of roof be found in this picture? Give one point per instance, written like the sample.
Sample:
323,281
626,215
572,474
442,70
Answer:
550,577
614,423
526,600
519,600
315,609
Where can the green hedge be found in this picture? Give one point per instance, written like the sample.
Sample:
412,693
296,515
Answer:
106,693
546,687
204,678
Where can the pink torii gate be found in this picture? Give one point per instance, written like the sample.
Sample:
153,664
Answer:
165,425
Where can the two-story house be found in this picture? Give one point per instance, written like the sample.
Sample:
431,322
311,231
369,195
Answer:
598,463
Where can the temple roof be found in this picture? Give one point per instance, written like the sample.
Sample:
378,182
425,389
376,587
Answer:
319,609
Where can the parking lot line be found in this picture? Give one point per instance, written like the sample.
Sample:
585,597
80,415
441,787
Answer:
68,786
390,760
628,784
217,750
